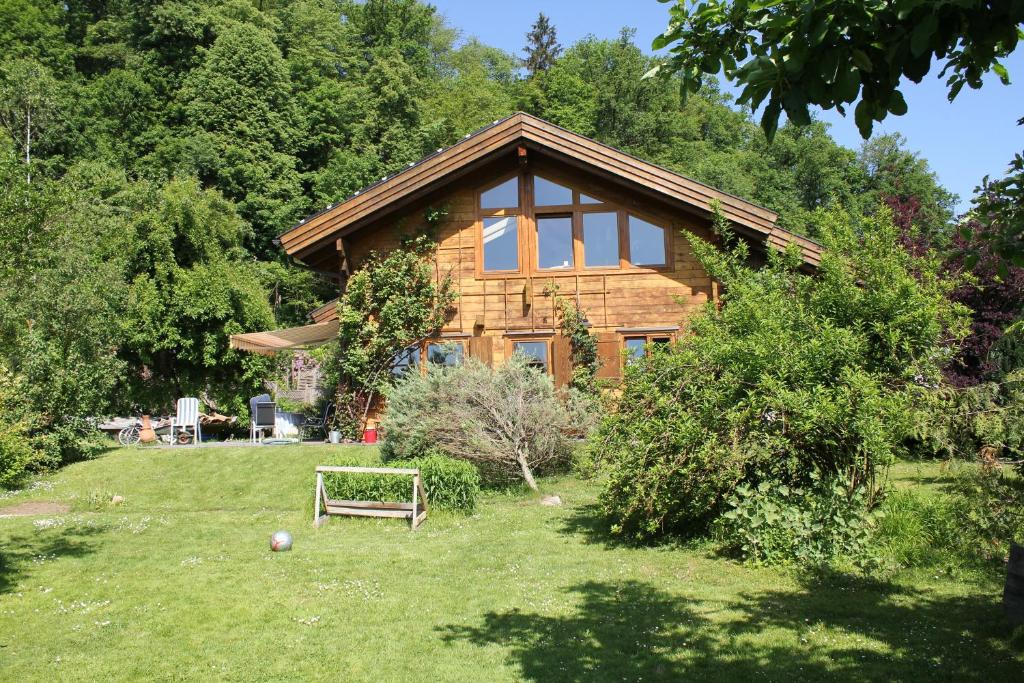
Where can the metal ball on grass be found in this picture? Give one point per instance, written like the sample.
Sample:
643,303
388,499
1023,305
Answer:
281,541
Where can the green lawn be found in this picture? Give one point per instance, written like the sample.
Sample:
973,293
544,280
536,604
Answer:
179,583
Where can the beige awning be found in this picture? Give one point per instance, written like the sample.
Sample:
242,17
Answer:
268,343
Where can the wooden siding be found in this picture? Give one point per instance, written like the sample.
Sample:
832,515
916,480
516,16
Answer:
491,308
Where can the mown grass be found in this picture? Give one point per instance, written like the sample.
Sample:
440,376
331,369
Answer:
178,583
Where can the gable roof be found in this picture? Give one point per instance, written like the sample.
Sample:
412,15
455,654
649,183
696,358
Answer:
446,165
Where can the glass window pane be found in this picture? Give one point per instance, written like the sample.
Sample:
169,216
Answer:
637,348
501,243
547,193
554,242
600,239
405,360
449,354
646,243
504,196
587,199
536,353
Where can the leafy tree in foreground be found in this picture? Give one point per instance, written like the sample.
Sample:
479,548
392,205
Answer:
828,54
865,340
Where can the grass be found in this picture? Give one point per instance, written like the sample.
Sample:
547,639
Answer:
178,583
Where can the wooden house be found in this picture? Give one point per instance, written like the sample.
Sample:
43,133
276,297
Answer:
533,208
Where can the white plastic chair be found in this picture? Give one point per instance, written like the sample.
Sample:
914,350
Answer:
188,416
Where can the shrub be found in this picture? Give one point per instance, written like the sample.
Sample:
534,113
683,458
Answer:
507,421
989,507
781,525
796,376
18,451
450,484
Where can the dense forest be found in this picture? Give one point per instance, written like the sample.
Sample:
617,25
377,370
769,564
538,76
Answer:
153,150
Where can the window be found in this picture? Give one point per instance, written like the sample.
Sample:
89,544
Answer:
501,243
405,360
643,345
561,229
447,354
636,348
547,193
554,242
536,353
601,240
503,196
646,243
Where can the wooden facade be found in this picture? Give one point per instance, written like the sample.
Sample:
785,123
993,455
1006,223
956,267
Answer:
598,205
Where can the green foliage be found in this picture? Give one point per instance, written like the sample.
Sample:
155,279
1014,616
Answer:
391,302
582,344
542,48
865,339
986,420
918,529
778,525
192,286
795,54
62,289
968,526
450,484
18,452
507,420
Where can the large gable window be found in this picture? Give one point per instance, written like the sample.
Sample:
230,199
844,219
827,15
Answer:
501,243
601,240
646,243
560,228
502,196
549,193
554,242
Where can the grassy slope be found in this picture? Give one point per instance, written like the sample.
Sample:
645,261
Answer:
178,583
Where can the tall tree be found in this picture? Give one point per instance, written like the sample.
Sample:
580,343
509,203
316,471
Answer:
542,48
27,99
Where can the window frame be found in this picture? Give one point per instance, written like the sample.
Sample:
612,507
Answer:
421,358
650,338
527,217
518,212
547,340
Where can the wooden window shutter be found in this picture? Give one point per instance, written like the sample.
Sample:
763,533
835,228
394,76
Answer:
609,356
562,361
482,348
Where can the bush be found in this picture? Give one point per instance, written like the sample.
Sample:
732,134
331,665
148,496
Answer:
450,484
989,506
508,421
18,452
796,376
778,525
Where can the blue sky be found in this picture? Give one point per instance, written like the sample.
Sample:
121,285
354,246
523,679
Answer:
963,141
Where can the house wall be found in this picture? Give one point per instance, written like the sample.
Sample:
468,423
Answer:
496,309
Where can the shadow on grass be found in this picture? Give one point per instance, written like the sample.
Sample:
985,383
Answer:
634,631
19,552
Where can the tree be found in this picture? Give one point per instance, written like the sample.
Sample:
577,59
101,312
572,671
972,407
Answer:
828,54
27,100
508,421
246,129
865,339
542,48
